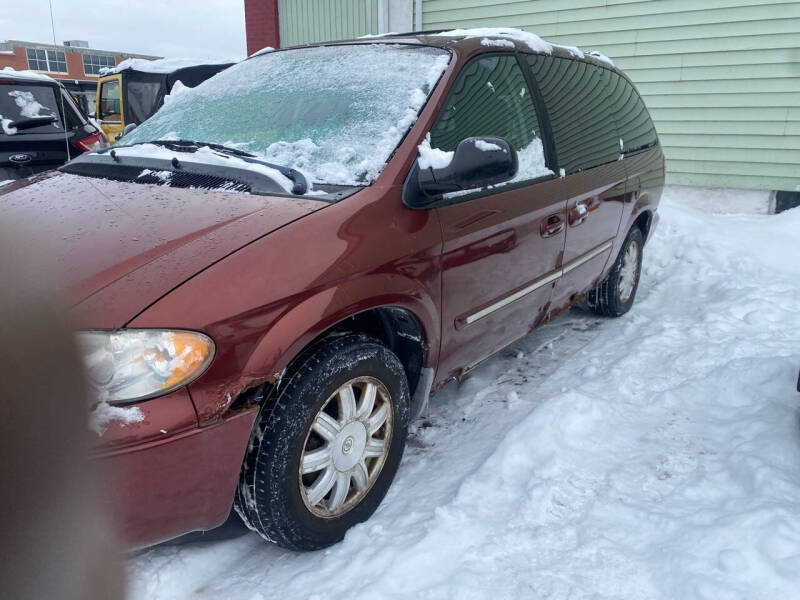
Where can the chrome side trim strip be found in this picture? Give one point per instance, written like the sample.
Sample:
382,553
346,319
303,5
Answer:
539,283
513,297
586,257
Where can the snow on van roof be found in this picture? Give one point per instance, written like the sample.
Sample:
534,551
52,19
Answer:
601,57
533,41
14,74
161,65
494,36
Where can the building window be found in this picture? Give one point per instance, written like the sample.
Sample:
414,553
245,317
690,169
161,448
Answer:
92,63
52,61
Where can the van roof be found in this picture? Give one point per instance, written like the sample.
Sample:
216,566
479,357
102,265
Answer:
488,39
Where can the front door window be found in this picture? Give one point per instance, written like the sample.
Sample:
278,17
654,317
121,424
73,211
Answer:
491,99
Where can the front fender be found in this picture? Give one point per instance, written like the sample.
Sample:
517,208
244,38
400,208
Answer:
318,313
296,324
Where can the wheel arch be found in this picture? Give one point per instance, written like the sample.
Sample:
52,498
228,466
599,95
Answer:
407,323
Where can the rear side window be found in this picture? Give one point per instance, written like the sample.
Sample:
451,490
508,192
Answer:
635,128
491,99
581,116
19,102
143,98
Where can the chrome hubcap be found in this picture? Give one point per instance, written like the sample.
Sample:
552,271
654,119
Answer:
346,447
628,272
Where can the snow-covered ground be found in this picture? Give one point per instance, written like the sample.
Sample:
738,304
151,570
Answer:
653,456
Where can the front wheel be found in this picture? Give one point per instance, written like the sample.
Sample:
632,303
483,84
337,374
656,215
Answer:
323,458
614,297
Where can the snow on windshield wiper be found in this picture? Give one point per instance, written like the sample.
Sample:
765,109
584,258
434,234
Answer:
299,182
193,145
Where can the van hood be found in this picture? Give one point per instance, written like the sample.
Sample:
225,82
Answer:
117,247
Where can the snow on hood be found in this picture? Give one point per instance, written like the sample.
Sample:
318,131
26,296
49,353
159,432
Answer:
161,65
206,156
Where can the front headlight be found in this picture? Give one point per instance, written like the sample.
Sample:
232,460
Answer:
136,364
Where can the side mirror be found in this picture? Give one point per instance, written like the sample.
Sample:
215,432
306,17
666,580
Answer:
477,162
127,129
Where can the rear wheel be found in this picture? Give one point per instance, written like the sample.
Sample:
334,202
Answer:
323,458
614,297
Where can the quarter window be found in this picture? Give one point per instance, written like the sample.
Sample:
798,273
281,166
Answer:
52,61
581,115
491,99
92,63
636,130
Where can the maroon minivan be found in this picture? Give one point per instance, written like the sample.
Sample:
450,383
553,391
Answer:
272,275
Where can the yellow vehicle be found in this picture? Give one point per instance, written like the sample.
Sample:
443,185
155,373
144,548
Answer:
134,90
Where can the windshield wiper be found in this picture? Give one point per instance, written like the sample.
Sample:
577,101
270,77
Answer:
31,122
193,145
299,188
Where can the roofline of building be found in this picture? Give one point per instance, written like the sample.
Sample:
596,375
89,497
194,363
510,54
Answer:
8,44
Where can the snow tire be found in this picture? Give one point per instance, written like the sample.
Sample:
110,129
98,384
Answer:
268,497
608,299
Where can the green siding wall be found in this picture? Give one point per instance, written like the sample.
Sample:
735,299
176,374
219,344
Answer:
307,21
721,77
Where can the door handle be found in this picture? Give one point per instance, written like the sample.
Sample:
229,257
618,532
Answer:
552,225
578,214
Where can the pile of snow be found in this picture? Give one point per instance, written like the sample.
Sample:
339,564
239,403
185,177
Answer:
264,50
652,456
494,43
601,57
505,37
160,65
723,200
177,89
433,158
485,146
104,414
531,40
9,73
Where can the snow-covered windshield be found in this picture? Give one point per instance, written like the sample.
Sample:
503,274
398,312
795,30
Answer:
335,113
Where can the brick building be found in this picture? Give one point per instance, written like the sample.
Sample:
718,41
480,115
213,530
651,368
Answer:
73,62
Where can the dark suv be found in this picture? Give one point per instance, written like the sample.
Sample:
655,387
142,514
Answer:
34,110
275,271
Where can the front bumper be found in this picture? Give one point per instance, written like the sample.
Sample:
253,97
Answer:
164,488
